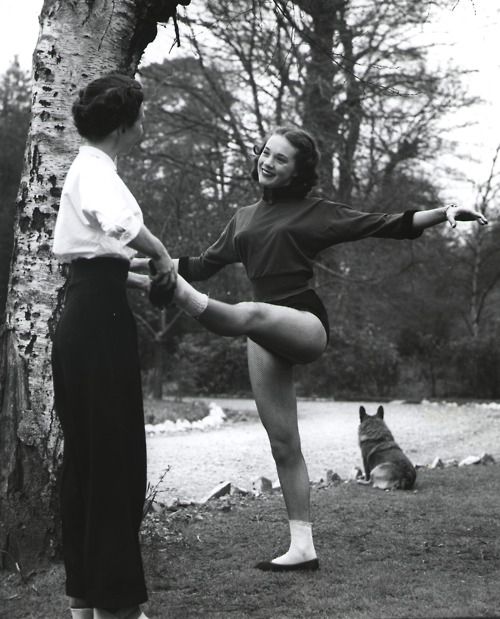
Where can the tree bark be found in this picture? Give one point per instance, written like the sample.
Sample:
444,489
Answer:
78,41
319,91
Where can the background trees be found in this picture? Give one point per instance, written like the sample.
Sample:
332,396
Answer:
351,74
15,101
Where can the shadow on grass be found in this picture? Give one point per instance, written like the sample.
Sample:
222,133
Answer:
430,553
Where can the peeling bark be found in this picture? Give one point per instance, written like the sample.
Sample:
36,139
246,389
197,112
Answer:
78,41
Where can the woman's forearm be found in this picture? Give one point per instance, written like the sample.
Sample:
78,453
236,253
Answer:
135,280
427,219
148,244
140,264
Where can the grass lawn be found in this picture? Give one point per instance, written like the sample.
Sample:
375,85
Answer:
434,552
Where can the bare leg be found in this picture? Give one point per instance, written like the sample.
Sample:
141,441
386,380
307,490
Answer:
273,388
295,335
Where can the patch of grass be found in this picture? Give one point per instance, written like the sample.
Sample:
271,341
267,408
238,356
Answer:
158,411
431,553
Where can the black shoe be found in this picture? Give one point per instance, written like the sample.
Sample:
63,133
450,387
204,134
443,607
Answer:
161,295
269,566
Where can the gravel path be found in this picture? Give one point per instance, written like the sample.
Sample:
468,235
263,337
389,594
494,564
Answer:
239,452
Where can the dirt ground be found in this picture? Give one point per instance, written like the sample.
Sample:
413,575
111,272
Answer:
239,452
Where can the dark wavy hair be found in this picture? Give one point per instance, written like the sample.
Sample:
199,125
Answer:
306,160
109,102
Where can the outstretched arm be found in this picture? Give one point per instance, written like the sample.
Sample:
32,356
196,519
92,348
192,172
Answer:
451,214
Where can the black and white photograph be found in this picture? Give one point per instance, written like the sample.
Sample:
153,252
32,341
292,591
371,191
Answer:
249,309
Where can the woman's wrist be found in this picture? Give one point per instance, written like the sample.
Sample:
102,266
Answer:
445,210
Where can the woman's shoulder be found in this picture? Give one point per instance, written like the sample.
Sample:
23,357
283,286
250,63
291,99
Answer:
247,209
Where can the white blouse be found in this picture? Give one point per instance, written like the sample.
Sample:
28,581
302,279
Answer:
98,215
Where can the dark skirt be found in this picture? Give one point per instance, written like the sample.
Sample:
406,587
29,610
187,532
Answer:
310,302
98,399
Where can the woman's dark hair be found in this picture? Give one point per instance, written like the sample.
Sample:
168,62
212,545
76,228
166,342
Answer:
306,160
105,104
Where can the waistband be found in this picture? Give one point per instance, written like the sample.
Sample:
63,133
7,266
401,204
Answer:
110,269
272,287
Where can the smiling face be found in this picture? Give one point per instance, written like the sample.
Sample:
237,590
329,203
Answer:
276,164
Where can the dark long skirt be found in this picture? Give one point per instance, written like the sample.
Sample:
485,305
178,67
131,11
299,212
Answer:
98,400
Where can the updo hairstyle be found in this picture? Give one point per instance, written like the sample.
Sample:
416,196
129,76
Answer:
105,104
306,159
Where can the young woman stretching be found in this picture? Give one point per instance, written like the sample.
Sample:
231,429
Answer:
277,240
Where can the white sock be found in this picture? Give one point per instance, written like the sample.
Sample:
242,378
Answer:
82,613
122,613
190,300
301,544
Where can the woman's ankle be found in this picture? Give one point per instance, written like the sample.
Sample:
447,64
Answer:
130,612
79,603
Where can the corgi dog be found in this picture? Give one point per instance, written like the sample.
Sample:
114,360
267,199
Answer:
385,464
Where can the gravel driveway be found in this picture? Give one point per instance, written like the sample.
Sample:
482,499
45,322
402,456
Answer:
239,452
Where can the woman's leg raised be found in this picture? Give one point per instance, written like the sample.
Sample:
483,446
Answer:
298,336
272,383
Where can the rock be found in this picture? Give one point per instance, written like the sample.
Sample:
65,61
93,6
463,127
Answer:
173,506
470,460
185,503
437,463
261,485
487,459
220,490
450,463
276,485
156,507
235,491
356,473
332,477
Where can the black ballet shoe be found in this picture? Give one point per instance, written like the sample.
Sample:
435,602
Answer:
160,295
269,566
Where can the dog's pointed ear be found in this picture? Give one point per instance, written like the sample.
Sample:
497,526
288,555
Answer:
380,412
362,413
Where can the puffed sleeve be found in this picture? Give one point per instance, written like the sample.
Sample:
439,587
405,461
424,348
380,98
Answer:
213,259
347,224
107,203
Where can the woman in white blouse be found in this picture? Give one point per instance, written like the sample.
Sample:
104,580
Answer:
97,386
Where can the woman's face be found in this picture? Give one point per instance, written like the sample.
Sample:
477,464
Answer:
132,135
276,164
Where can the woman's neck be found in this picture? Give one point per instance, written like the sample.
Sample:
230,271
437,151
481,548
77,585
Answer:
108,146
280,194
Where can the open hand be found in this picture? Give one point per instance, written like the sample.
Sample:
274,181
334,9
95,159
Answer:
456,213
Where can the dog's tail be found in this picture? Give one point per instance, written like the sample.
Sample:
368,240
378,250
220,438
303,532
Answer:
390,476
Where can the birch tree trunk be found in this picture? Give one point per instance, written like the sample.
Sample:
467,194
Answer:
78,41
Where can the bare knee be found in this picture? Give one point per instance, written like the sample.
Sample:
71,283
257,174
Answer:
286,449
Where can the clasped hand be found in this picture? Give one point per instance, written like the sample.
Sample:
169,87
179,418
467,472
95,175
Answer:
163,281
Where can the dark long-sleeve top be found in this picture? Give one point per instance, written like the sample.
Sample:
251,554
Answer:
277,242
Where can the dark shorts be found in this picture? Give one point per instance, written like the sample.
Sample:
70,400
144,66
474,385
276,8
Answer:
310,302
